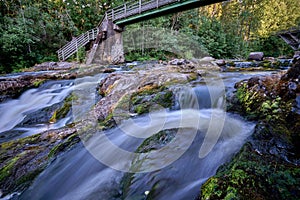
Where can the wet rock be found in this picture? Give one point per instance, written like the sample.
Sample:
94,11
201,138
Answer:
294,70
23,159
11,87
178,62
117,89
258,56
271,59
53,66
253,81
207,59
297,54
220,62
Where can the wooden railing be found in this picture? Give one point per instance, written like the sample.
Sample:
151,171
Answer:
120,12
71,47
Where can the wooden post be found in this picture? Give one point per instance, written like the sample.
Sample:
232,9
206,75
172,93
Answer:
156,3
112,14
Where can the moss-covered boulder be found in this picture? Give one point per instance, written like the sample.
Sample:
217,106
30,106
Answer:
23,159
253,175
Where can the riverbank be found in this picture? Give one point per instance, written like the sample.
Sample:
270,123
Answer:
267,167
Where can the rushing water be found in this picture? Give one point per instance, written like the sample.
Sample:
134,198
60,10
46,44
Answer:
15,111
30,113
206,137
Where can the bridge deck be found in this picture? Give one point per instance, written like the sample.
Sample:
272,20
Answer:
139,10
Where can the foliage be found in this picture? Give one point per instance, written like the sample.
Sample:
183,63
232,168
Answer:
213,37
32,31
259,106
271,46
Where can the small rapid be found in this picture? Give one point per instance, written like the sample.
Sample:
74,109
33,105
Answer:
30,113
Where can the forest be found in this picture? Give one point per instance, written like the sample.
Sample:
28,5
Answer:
32,31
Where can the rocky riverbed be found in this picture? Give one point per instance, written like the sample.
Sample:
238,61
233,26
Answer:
267,166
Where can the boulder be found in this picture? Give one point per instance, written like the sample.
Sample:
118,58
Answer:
207,59
220,62
297,54
258,56
53,66
271,59
178,62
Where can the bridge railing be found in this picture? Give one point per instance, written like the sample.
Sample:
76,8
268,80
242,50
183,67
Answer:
71,47
135,7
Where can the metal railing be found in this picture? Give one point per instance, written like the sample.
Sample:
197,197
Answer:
120,12
71,47
135,7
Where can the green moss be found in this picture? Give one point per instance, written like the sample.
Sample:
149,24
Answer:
193,76
265,64
8,168
141,108
209,188
61,147
157,140
252,176
28,178
64,109
256,105
38,82
12,145
151,98
108,122
53,117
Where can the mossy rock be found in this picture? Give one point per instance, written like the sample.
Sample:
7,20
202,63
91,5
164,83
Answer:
155,142
64,146
146,99
21,161
38,82
151,98
252,175
64,109
108,122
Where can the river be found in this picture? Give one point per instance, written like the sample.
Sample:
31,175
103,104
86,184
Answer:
205,137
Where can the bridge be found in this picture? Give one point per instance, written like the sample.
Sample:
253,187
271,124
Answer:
113,22
291,37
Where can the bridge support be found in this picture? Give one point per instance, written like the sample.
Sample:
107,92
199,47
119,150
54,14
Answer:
108,47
